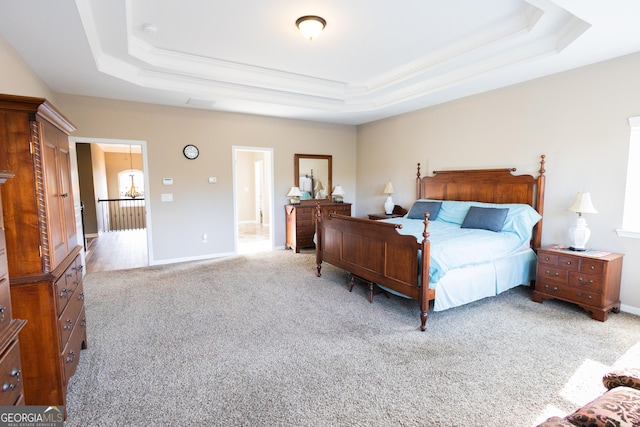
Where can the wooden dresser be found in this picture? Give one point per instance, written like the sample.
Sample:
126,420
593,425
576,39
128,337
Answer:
10,366
592,282
301,222
43,254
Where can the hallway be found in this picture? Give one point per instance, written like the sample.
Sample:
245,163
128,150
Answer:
117,250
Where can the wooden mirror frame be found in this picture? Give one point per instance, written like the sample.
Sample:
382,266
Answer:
296,173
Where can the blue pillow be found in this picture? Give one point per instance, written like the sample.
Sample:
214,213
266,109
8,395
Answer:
485,218
420,207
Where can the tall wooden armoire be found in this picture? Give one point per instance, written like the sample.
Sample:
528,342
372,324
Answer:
45,267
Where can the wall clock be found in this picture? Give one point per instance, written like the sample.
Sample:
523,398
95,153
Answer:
190,151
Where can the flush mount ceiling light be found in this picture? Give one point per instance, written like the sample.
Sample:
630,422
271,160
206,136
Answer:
310,26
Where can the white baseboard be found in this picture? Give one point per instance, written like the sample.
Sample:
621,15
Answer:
630,309
185,259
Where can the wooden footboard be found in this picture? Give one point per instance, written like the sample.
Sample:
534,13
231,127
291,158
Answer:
376,252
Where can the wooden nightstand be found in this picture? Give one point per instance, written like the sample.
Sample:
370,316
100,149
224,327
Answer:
589,279
379,216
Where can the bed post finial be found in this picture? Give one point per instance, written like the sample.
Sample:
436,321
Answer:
542,157
418,186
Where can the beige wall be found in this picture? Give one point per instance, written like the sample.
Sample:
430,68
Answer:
199,207
577,118
17,78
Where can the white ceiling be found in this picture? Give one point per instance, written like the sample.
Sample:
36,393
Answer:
375,58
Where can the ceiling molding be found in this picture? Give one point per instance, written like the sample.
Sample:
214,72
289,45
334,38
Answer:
508,42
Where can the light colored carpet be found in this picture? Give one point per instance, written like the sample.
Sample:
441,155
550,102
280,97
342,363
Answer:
261,341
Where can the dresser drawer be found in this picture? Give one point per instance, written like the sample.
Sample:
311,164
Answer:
70,315
71,353
11,376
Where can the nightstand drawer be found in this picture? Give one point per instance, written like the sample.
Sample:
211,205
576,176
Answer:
548,259
570,294
592,266
571,263
553,273
585,281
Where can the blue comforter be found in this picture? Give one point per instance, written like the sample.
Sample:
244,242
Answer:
454,247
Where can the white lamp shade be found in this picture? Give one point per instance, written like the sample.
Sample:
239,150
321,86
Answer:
582,204
388,189
338,191
294,192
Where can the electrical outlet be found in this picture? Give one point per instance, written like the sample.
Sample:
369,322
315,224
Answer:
204,238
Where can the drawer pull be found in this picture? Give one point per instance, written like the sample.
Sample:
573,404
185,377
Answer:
64,293
2,310
68,325
8,386
592,267
81,296
83,323
581,279
69,274
547,258
568,262
555,288
554,274
71,356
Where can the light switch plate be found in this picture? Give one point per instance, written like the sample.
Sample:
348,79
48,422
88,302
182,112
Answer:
167,197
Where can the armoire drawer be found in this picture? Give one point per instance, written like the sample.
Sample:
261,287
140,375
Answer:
70,315
71,353
10,376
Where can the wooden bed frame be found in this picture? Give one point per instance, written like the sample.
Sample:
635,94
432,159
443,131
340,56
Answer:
375,252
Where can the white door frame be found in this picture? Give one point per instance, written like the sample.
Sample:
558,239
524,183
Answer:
145,169
235,149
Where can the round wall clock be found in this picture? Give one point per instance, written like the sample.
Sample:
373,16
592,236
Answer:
190,151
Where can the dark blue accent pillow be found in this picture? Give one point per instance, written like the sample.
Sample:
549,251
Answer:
420,207
485,218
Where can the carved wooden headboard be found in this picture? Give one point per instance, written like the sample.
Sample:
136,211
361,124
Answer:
489,186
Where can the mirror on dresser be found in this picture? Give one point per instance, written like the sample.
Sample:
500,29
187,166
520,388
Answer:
313,176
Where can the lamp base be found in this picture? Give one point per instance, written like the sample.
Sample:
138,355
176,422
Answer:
388,205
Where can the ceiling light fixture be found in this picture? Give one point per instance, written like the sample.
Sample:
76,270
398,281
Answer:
310,26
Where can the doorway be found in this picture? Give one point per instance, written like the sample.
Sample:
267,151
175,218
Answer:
253,195
101,165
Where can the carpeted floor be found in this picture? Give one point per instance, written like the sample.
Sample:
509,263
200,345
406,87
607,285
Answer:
261,341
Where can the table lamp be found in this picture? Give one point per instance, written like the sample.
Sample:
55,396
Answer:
338,194
579,233
388,204
294,196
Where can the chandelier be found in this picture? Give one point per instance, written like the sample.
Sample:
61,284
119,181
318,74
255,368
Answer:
133,191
